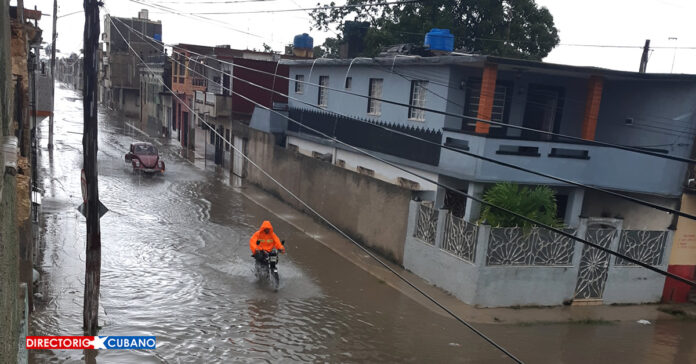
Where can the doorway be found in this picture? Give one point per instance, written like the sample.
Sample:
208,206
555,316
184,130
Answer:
543,111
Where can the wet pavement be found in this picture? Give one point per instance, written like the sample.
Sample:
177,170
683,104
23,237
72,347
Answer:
175,264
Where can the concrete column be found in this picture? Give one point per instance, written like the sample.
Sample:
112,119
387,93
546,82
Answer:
614,245
594,98
485,107
473,209
582,234
482,237
412,216
667,249
574,207
441,225
440,197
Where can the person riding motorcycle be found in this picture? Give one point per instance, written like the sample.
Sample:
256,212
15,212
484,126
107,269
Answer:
267,240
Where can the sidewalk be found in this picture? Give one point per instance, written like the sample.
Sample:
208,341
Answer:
525,315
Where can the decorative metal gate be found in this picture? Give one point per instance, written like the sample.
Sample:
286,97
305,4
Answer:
594,264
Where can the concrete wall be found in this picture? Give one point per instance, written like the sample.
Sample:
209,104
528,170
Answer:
662,112
352,160
353,202
439,267
9,270
483,285
636,217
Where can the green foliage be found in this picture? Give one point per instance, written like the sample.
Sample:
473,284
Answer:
538,203
330,48
508,28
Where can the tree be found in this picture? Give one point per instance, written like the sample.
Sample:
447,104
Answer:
509,28
330,48
538,203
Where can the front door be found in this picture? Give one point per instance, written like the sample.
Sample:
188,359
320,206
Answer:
543,110
594,264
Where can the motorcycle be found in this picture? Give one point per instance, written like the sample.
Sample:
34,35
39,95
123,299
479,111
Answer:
267,266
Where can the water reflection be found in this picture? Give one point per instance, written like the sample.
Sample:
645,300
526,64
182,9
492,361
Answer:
176,265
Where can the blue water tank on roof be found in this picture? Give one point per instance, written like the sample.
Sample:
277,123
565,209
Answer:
303,41
439,40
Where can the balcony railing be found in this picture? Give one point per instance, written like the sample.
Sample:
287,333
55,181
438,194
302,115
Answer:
585,163
368,134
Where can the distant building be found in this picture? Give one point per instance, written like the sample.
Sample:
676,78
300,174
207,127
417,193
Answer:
121,79
208,81
156,113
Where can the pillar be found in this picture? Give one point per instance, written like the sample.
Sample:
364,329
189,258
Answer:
574,207
594,97
472,211
485,107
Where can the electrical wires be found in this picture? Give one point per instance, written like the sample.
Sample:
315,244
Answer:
479,333
454,190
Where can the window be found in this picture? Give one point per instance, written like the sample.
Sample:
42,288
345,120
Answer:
349,83
322,98
417,99
299,86
227,136
500,99
374,106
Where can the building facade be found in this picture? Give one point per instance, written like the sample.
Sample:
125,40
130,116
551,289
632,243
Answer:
121,78
651,112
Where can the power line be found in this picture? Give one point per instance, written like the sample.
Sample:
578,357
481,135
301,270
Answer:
474,155
548,227
518,127
472,328
456,150
327,7
447,187
193,16
213,2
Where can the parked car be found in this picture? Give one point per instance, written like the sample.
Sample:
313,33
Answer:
144,157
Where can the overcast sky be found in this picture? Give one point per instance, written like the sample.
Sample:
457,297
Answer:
597,22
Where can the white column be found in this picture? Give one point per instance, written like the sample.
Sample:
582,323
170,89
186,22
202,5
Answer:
473,208
574,207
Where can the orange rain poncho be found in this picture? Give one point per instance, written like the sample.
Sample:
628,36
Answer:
268,241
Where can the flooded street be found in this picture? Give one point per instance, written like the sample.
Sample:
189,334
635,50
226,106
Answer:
176,265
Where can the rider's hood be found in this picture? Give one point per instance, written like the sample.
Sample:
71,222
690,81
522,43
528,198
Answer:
266,225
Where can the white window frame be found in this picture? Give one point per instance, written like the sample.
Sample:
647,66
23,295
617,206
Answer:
375,87
323,94
417,98
299,85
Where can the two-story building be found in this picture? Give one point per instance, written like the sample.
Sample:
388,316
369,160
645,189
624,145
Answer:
533,104
156,113
646,111
210,81
121,78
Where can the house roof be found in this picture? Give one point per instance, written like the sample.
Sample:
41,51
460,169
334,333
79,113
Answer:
475,60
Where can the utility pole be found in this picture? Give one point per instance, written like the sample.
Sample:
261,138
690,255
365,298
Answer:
674,56
53,76
89,145
644,57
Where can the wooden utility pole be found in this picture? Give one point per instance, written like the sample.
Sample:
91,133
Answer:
89,145
53,75
644,57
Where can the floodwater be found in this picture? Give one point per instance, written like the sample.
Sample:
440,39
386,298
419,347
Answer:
176,265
